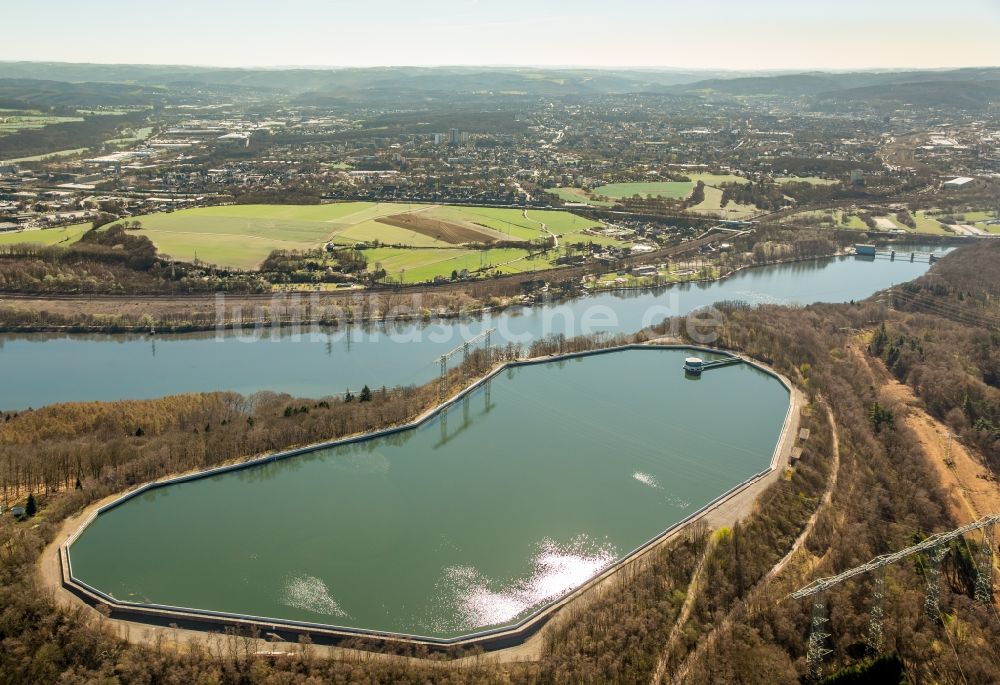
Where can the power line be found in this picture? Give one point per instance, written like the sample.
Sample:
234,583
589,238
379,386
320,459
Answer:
943,309
936,546
823,584
946,310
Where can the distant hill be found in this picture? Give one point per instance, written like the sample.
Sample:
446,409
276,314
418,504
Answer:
302,80
43,94
961,88
956,94
56,84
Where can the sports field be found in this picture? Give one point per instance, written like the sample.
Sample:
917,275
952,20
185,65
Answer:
242,236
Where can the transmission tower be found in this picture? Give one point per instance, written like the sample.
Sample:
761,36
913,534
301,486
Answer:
876,618
464,349
936,546
818,636
984,575
932,597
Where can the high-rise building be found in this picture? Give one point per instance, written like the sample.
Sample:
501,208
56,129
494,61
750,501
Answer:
454,136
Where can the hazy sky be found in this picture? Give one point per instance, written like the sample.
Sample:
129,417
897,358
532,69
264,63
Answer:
743,34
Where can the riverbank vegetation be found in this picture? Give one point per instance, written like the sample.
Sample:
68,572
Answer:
741,626
182,298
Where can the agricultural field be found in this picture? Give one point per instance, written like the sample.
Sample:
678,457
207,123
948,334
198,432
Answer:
45,236
669,189
47,155
242,236
13,120
420,265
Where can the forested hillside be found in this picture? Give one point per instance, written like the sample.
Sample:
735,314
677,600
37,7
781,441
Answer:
739,625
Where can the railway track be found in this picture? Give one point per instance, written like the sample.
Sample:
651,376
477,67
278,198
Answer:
559,274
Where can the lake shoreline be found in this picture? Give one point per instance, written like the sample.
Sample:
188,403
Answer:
55,570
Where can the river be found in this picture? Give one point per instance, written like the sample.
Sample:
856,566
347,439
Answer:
40,369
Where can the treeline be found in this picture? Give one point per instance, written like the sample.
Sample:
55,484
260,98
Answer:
761,195
920,351
948,348
313,266
282,196
765,252
821,166
742,628
745,629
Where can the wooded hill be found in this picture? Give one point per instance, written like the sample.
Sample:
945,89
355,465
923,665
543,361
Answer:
741,626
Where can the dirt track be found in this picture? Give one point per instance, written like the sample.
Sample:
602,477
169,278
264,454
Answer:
972,492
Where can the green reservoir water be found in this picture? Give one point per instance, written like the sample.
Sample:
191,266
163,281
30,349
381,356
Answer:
475,519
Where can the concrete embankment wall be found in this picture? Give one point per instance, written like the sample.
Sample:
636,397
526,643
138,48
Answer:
499,638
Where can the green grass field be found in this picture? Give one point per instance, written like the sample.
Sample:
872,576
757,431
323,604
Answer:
712,204
926,224
47,155
853,221
668,189
242,236
46,236
419,265
979,219
577,195
12,121
132,136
